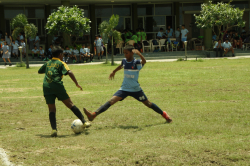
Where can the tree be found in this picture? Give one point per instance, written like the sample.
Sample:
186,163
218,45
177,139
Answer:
20,24
217,15
107,30
68,20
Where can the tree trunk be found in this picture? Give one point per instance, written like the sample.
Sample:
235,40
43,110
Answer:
106,45
112,56
27,55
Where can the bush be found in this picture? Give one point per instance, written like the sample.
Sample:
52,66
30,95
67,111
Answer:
22,64
198,60
180,59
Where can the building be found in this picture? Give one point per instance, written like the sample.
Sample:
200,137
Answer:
150,15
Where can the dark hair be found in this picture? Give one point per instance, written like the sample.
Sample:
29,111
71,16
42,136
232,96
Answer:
129,48
219,40
161,28
96,35
142,29
41,46
226,38
74,45
66,46
56,51
84,45
51,44
183,25
35,46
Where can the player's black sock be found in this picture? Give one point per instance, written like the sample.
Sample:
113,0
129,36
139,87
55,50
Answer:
78,113
52,118
103,108
156,108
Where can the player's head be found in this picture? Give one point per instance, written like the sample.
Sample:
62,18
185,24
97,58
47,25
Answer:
178,28
67,47
57,52
41,47
22,40
226,40
183,26
142,30
128,53
96,36
74,46
219,40
83,46
5,43
35,47
169,27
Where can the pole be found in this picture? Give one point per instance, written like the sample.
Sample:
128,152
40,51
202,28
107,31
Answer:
106,46
20,49
185,43
112,59
27,55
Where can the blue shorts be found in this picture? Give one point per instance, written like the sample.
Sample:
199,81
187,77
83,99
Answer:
183,39
140,96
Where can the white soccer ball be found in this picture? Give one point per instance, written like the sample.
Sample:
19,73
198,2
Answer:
77,126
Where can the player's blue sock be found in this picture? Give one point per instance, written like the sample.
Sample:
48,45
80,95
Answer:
52,118
156,108
78,113
103,108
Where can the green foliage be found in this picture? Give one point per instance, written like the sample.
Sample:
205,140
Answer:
180,59
69,20
107,29
198,60
78,46
218,15
20,64
20,24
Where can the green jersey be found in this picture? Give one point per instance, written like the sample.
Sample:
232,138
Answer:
143,35
134,37
54,71
138,36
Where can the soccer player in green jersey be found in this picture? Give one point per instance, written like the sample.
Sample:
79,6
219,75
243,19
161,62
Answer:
53,87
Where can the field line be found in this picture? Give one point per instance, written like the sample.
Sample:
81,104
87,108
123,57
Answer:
4,157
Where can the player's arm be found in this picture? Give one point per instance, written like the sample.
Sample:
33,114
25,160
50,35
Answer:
72,76
42,69
143,60
112,75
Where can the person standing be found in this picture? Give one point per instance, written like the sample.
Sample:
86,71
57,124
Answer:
218,47
177,34
15,49
184,33
6,53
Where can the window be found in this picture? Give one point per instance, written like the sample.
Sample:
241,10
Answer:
122,10
240,5
86,10
12,12
32,12
143,10
163,9
103,11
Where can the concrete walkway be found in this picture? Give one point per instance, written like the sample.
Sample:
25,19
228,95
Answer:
118,62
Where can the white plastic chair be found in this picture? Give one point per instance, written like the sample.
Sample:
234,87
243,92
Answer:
120,46
148,46
162,43
131,42
155,46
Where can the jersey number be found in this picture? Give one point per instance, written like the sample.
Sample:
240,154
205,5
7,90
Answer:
49,77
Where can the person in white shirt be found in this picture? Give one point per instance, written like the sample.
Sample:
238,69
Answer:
177,34
228,47
6,53
75,54
41,53
24,48
82,53
37,41
218,47
184,34
89,55
35,52
15,49
20,38
67,53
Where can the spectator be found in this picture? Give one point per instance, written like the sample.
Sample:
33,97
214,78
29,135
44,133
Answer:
227,47
37,41
35,52
24,48
49,53
134,37
98,43
160,34
237,40
184,33
75,54
67,53
42,54
170,32
218,47
20,38
214,37
127,35
8,38
15,49
88,54
138,33
230,36
6,53
143,34
102,46
177,34
82,53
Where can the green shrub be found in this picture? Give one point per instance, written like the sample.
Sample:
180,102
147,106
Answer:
20,64
180,59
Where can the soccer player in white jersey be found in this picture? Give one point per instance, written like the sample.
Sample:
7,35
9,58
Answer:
130,85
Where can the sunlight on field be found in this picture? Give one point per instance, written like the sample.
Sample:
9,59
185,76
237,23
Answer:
208,101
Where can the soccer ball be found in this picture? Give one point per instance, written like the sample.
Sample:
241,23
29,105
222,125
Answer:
77,126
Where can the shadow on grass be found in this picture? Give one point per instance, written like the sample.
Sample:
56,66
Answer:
63,136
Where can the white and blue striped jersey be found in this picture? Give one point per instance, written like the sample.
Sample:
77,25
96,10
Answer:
131,74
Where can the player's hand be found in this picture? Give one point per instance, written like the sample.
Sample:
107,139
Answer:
79,86
6,52
112,76
135,51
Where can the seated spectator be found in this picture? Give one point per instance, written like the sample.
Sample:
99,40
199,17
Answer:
214,37
35,52
15,49
67,53
23,44
41,52
75,54
237,40
218,47
49,53
88,54
134,37
177,34
82,53
227,47
143,34
169,37
160,34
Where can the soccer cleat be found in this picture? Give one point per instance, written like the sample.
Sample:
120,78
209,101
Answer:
53,133
86,125
91,116
10,64
167,117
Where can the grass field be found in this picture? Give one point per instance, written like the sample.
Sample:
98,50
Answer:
208,101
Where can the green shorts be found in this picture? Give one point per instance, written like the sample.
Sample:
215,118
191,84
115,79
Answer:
54,91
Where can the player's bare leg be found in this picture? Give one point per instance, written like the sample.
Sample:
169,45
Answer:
68,103
112,101
158,110
52,118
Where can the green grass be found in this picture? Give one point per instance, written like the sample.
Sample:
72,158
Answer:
208,101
